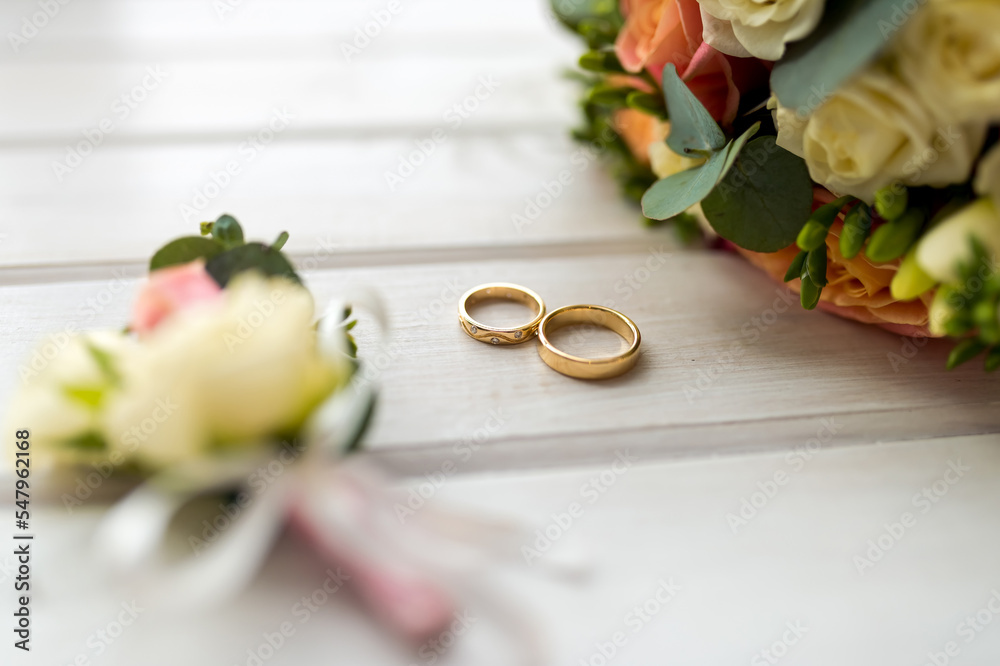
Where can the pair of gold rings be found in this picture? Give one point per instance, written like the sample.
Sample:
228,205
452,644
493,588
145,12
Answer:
544,324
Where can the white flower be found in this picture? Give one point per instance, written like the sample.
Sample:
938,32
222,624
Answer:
224,373
949,244
873,131
232,372
761,28
67,384
949,53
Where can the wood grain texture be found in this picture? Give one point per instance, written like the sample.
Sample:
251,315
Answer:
473,191
729,363
792,562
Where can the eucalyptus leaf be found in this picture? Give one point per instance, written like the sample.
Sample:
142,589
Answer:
252,256
692,129
228,231
675,194
851,34
764,200
737,145
184,250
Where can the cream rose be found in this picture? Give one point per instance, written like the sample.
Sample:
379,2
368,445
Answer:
65,392
874,131
949,244
949,53
228,372
761,28
224,373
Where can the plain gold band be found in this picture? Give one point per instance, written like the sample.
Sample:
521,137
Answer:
588,368
498,335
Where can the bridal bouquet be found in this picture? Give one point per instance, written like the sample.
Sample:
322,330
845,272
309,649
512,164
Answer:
847,148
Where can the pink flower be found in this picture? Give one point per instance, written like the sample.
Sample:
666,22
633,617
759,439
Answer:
169,290
658,32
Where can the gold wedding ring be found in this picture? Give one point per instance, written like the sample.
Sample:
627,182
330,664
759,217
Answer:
588,368
498,335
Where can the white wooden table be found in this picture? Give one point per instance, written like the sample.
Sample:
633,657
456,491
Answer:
253,108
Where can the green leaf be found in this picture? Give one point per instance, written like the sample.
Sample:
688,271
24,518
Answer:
252,256
992,360
809,293
88,441
964,351
184,250
601,61
647,103
608,95
795,268
692,129
88,396
850,35
280,241
106,363
228,231
677,193
737,145
816,266
764,200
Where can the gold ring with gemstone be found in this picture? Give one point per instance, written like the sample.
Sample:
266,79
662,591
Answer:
499,335
588,368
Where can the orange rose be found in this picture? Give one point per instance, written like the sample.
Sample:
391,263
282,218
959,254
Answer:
639,130
657,32
857,289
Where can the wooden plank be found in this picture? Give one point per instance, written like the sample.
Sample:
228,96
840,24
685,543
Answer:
728,365
793,562
333,196
218,75
221,97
